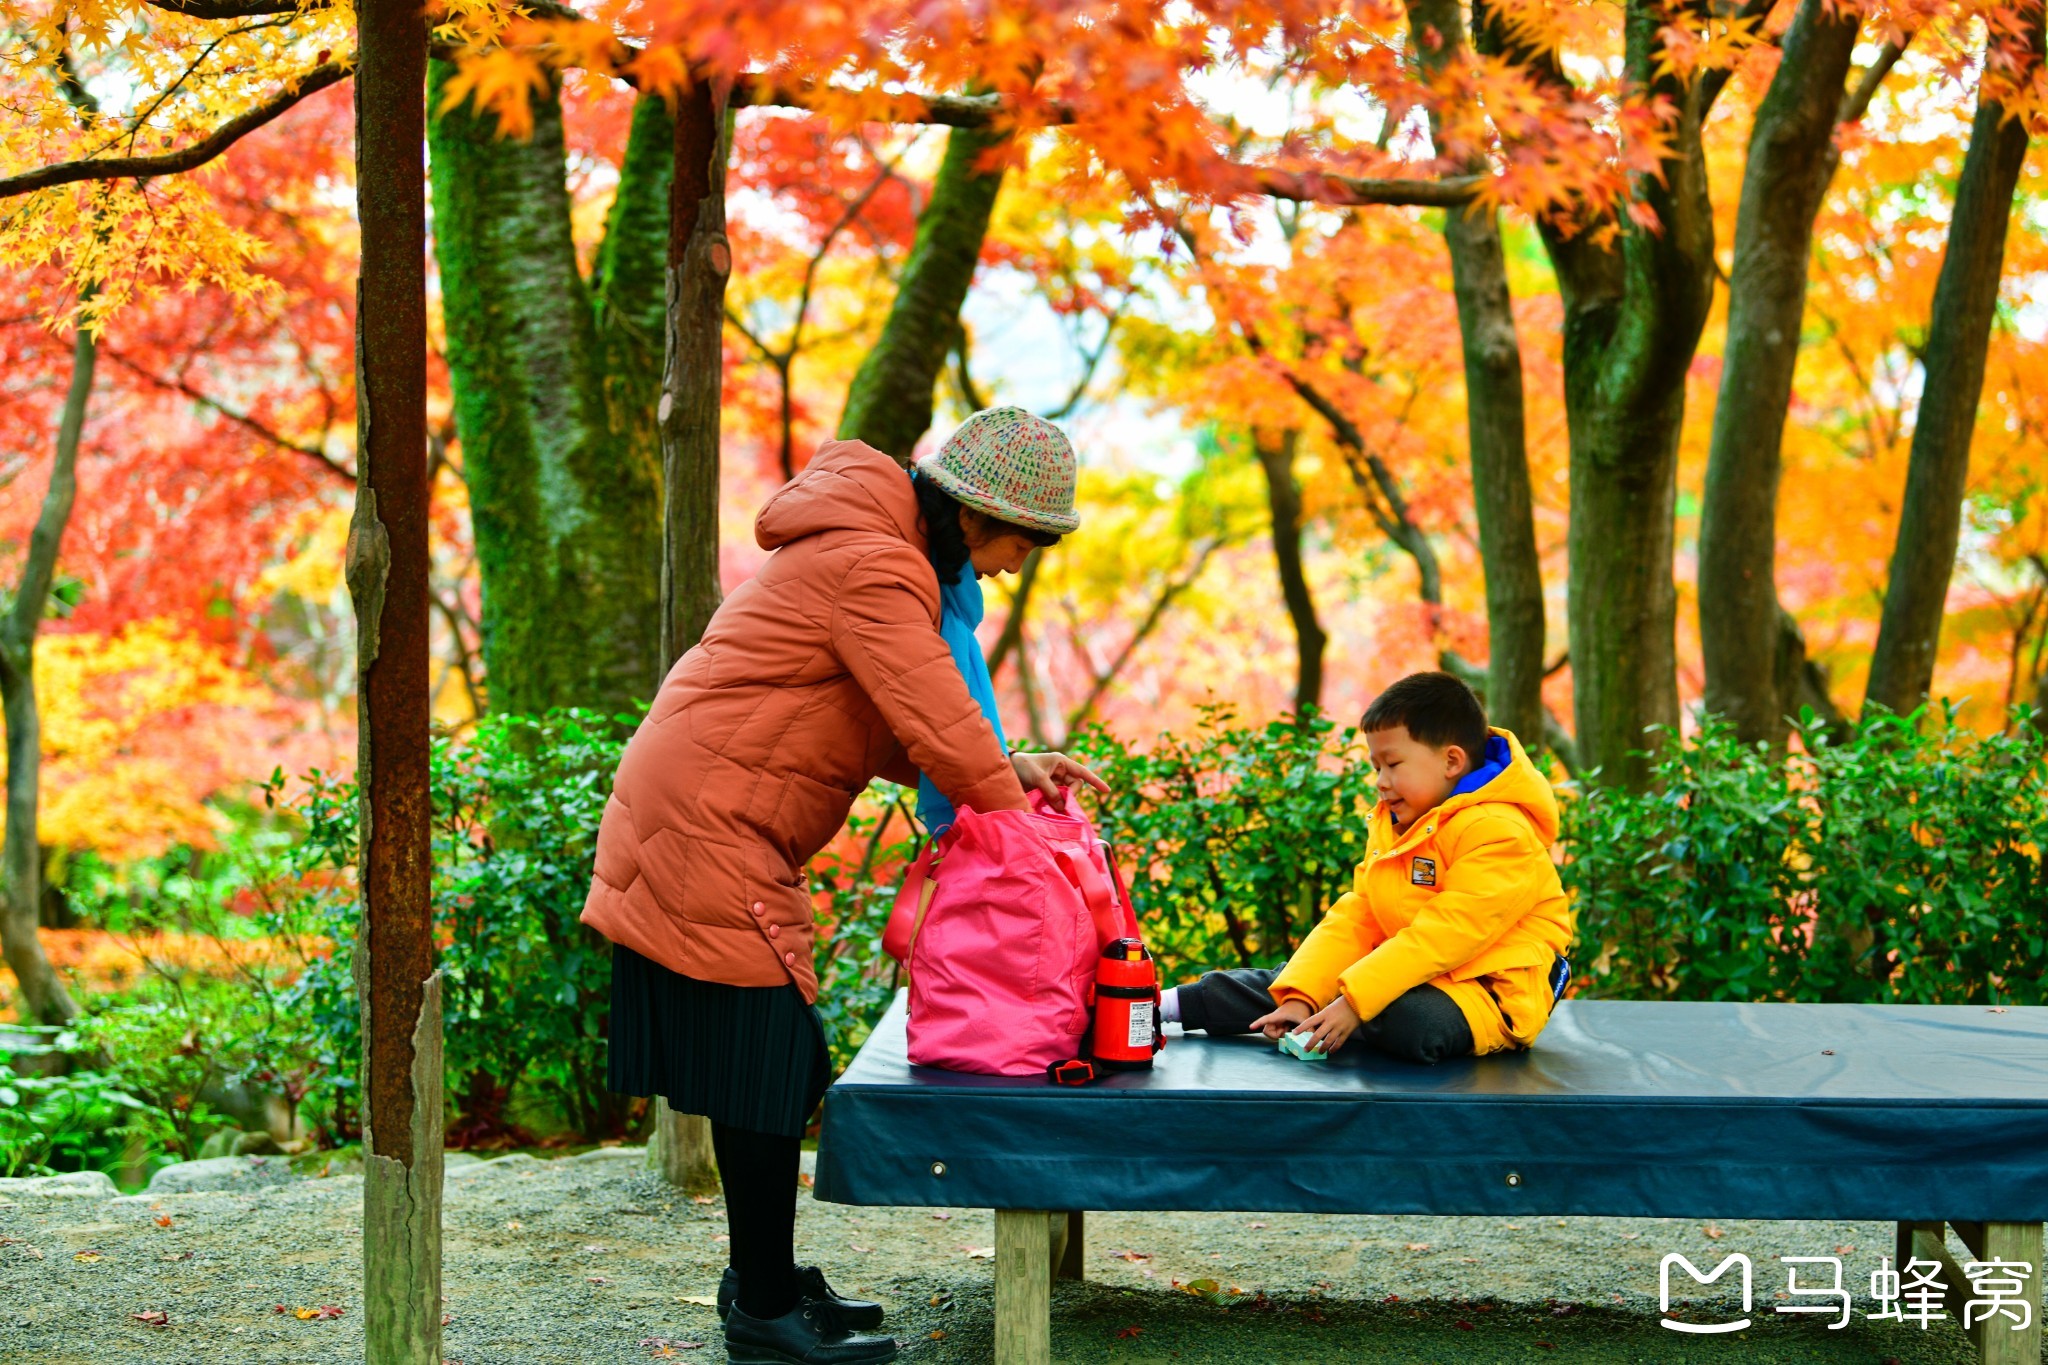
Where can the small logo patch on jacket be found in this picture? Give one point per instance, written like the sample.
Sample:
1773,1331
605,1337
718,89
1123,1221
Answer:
1422,872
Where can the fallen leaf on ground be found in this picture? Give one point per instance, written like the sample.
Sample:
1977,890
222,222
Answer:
1713,1232
155,1317
1129,1333
804,1179
595,1249
721,1237
936,1334
1415,1246
1845,1249
1464,1326
163,1220
861,1249
447,1318
595,1279
176,1256
703,1199
980,1253
513,1225
1255,1225
1131,1255
1517,1227
701,1300
1545,1346
89,1255
941,1215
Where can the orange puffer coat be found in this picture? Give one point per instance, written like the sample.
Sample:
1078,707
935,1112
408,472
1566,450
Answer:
823,671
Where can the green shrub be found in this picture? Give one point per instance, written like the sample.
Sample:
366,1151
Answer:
68,1121
1234,838
526,988
856,979
1889,865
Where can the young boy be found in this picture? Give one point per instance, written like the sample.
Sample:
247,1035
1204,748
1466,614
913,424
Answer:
1451,940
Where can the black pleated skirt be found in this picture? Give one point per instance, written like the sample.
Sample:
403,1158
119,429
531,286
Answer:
750,1057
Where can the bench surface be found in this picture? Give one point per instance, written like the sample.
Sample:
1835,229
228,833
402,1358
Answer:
1630,1109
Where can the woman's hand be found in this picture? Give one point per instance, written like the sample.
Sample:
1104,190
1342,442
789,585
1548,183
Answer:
1285,1018
1052,774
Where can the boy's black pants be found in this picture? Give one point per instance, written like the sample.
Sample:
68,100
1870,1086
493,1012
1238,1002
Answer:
1424,1025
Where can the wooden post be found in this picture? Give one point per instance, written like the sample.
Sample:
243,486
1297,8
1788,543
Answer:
397,987
699,261
1998,1342
1069,1247
1024,1287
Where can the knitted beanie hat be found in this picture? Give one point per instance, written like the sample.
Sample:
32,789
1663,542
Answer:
1012,465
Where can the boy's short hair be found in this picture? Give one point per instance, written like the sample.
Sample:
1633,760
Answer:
1438,709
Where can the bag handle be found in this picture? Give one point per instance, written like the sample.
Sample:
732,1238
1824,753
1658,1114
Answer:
1095,893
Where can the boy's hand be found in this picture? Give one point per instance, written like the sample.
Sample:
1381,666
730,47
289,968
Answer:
1286,1018
1331,1026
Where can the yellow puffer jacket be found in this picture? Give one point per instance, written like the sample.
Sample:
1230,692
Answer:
1466,899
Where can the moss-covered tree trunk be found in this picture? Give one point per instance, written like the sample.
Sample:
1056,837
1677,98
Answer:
1958,338
555,385
1634,310
889,404
1742,632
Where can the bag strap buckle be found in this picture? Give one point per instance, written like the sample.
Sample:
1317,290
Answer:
1073,1071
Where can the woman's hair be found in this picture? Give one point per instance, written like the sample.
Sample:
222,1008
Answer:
946,536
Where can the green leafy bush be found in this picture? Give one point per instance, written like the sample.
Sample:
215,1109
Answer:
67,1121
856,879
1889,865
526,988
1234,837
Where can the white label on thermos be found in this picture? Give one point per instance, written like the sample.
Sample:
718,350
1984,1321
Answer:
1141,1023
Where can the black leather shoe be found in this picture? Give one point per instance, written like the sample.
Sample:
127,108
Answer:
812,1333
857,1314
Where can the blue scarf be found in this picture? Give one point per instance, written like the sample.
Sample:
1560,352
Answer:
960,611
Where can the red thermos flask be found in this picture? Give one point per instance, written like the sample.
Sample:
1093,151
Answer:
1126,997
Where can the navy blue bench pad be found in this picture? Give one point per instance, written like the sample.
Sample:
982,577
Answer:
1626,1109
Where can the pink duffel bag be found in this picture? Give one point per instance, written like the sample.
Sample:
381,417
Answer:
1001,928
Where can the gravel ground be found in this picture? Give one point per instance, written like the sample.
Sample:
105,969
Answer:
590,1260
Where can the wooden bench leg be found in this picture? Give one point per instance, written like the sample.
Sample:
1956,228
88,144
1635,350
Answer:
1997,1340
1024,1262
1068,1247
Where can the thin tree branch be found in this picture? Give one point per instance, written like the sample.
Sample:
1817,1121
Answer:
242,419
184,158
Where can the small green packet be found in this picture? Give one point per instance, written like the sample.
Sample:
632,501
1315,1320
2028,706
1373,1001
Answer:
1295,1045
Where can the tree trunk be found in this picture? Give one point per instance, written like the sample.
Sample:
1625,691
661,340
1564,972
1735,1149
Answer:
889,404
398,988
1496,431
1784,178
43,996
1958,337
1633,316
1283,500
699,260
559,453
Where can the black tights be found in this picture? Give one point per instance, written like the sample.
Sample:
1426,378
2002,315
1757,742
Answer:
759,1173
